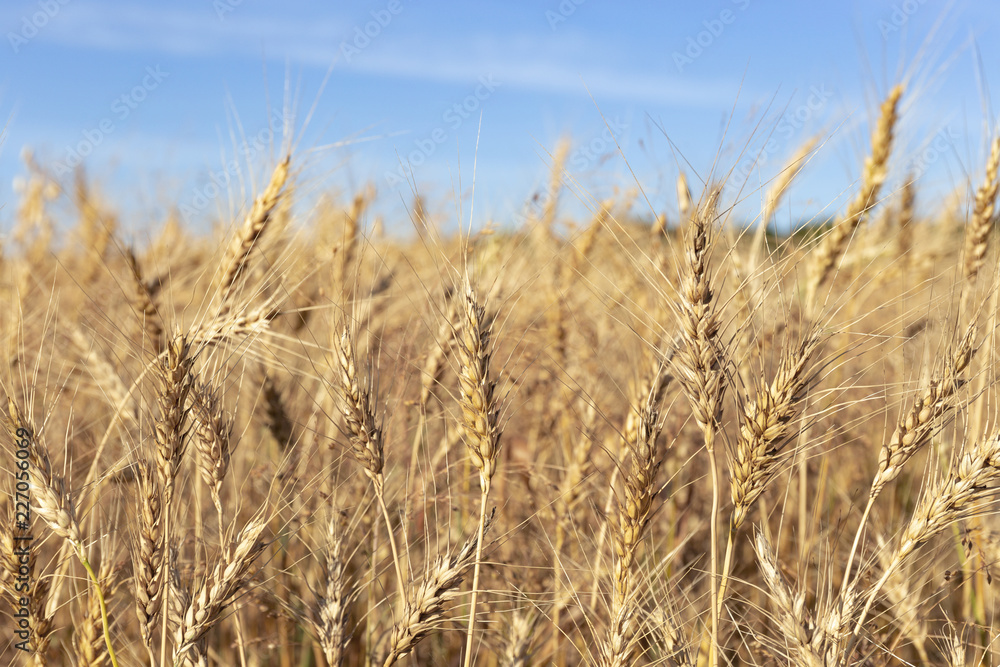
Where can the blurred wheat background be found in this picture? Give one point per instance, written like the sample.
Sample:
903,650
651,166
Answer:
604,433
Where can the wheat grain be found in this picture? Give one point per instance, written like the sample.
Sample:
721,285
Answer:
148,556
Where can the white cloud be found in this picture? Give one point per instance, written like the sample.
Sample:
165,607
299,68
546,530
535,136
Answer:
564,63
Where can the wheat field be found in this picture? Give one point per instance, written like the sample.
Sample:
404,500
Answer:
624,440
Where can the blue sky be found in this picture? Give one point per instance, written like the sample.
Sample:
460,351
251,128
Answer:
162,96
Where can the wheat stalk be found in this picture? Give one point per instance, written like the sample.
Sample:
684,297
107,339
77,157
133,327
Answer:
913,431
967,488
88,636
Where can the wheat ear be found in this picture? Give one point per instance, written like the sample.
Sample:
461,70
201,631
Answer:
967,488
19,569
54,505
150,321
425,603
834,243
148,555
238,253
699,367
174,378
913,431
683,198
977,232
791,608
765,430
365,433
480,419
329,620
230,574
633,517
214,441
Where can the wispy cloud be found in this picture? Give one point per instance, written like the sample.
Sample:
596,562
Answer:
568,63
